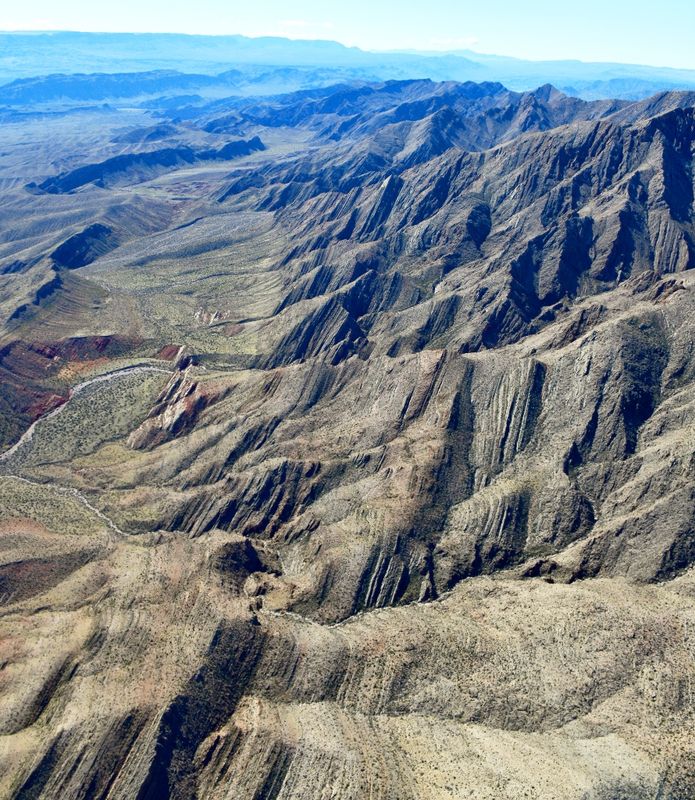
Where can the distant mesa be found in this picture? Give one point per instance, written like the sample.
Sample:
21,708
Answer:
102,86
38,67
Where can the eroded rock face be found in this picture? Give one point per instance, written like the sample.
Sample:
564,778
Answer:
176,410
411,514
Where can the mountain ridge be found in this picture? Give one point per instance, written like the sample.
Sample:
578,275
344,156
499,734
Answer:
358,464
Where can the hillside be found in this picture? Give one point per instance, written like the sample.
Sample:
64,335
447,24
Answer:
348,447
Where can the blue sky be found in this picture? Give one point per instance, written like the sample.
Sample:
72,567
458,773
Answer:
636,31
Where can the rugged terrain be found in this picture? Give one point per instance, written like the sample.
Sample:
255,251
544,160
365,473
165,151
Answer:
349,447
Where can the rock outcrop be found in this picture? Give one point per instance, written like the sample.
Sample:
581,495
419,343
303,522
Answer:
407,510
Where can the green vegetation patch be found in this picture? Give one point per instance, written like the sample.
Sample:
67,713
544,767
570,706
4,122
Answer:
103,412
57,509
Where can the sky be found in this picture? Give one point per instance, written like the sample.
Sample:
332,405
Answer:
627,31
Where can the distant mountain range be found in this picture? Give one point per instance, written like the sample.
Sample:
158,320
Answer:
238,64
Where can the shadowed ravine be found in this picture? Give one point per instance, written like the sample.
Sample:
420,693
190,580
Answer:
355,463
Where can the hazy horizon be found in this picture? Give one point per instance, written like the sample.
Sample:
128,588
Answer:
462,52
600,34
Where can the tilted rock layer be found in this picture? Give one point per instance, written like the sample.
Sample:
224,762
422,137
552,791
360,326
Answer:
362,466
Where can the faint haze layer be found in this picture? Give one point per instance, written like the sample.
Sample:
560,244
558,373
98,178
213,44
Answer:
623,31
273,64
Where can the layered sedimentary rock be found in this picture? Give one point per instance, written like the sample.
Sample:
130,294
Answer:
386,485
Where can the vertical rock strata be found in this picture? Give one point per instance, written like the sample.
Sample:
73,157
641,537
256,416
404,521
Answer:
410,514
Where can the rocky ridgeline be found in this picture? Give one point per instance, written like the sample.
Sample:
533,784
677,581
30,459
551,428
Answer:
412,515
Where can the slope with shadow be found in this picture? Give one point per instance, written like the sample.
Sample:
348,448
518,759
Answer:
384,484
137,166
